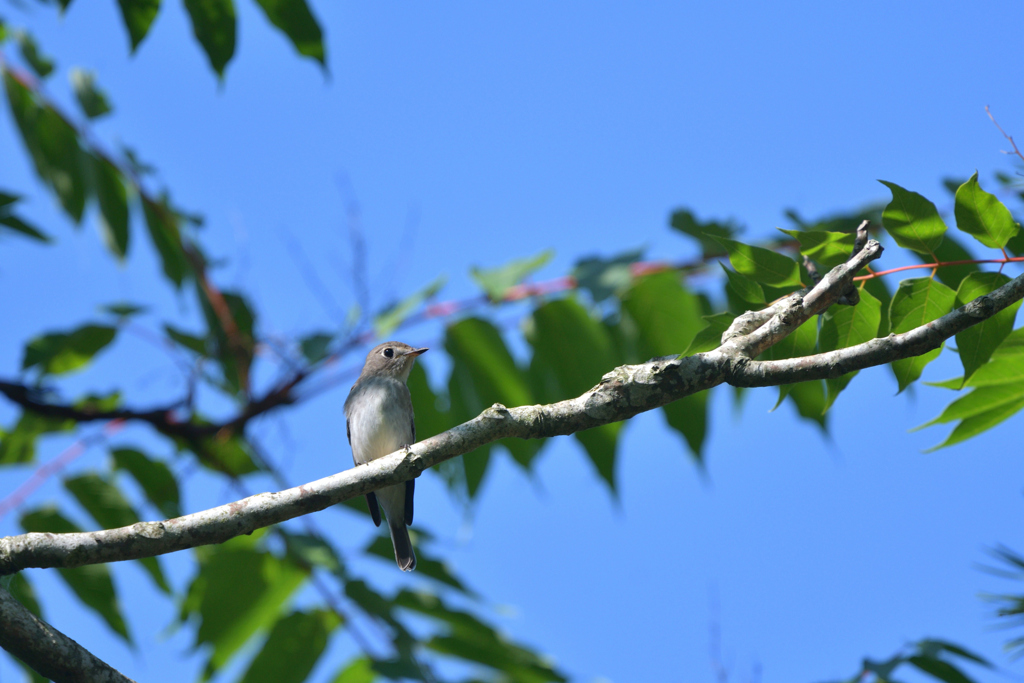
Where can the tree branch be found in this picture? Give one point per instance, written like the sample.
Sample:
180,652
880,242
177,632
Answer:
48,651
621,394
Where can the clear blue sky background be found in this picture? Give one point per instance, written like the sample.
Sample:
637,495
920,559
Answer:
470,134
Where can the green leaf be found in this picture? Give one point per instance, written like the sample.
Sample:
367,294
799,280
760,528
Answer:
234,352
138,16
238,592
213,22
976,424
40,63
605,278
123,310
763,265
53,146
19,445
747,289
977,342
710,337
425,564
394,315
912,220
950,251
1006,365
315,347
293,648
310,551
92,583
799,343
809,398
571,352
933,647
60,352
472,640
845,326
113,199
162,224
937,668
359,670
978,402
828,249
668,318
880,291
107,505
981,215
298,23
25,229
916,302
227,455
189,341
497,282
706,233
90,98
154,477
484,373
430,418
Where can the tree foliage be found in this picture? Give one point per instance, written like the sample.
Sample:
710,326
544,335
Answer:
608,312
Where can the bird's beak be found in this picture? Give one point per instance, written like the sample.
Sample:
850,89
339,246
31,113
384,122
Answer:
416,352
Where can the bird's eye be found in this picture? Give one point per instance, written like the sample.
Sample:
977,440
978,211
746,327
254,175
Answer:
389,352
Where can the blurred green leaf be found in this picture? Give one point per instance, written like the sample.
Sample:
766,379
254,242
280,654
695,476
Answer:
123,310
706,233
90,98
978,402
937,668
828,249
59,352
19,445
213,22
497,281
981,215
916,302
385,323
809,398
571,352
912,220
189,341
605,278
153,476
426,565
799,343
162,223
41,64
237,593
22,228
312,551
23,592
92,583
981,421
107,505
977,342
472,640
845,326
358,670
291,651
113,200
298,23
138,16
763,265
53,146
315,347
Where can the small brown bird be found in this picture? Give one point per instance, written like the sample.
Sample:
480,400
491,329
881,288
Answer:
379,419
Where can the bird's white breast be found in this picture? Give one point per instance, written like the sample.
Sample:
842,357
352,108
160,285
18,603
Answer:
379,426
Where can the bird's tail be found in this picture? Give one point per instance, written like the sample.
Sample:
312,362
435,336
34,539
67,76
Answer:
404,555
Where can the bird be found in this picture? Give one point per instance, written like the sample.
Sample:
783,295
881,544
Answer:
379,420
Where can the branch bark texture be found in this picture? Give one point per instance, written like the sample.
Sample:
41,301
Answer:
51,653
621,394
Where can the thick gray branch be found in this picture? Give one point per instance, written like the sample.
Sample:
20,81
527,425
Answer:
621,394
51,653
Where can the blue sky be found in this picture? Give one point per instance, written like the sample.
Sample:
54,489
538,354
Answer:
471,134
